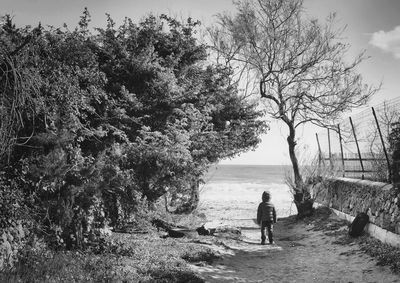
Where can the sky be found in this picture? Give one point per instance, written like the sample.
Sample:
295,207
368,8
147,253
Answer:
372,25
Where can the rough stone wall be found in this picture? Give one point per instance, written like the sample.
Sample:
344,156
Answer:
379,200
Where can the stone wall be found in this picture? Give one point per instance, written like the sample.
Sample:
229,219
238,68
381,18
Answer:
379,200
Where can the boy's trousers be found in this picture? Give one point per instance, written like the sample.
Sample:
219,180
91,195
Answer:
269,226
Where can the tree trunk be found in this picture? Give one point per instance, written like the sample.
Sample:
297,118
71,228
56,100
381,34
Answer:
194,199
295,164
302,198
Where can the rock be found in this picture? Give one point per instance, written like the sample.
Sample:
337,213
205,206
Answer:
228,229
202,231
175,234
358,224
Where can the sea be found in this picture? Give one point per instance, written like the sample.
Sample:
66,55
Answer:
231,193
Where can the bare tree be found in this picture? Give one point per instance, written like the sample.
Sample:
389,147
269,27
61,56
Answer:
298,65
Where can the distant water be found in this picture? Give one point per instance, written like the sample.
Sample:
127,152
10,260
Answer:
231,193
260,174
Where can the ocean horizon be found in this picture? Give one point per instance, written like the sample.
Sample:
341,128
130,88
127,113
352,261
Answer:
251,173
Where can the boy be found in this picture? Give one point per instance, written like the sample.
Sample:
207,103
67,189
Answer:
266,216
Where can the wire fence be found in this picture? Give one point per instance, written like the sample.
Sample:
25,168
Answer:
358,146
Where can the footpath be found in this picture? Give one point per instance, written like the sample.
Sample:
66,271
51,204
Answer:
312,250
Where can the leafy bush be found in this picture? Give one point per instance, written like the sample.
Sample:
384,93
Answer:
97,126
125,258
394,149
313,170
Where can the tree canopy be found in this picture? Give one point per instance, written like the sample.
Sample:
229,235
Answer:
93,123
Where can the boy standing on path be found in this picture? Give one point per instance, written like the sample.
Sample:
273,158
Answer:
266,216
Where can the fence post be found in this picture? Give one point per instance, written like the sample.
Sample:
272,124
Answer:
383,144
358,148
330,151
341,149
319,151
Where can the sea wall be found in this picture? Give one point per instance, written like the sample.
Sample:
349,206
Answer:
380,201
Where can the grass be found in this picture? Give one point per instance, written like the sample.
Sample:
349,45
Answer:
124,258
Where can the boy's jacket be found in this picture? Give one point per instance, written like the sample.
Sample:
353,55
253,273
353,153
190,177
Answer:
266,212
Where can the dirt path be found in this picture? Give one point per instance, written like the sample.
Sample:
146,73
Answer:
306,251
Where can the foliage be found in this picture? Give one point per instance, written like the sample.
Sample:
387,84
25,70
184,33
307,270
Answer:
18,82
394,149
125,258
314,171
394,137
97,126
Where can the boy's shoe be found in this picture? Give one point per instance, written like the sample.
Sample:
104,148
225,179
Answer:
272,243
262,242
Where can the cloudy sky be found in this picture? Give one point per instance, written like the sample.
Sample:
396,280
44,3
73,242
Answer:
372,25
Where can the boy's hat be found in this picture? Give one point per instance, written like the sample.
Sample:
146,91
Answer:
266,195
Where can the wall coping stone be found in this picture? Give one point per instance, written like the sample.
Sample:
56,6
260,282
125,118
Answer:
374,184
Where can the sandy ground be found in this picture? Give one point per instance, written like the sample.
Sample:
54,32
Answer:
305,251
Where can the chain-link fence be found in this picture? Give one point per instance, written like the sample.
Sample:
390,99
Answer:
358,146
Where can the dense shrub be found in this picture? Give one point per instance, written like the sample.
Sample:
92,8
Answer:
394,149
97,126
125,258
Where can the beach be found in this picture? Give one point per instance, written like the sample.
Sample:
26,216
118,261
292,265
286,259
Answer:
231,193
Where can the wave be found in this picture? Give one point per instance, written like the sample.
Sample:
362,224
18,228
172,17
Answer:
243,191
242,199
261,174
